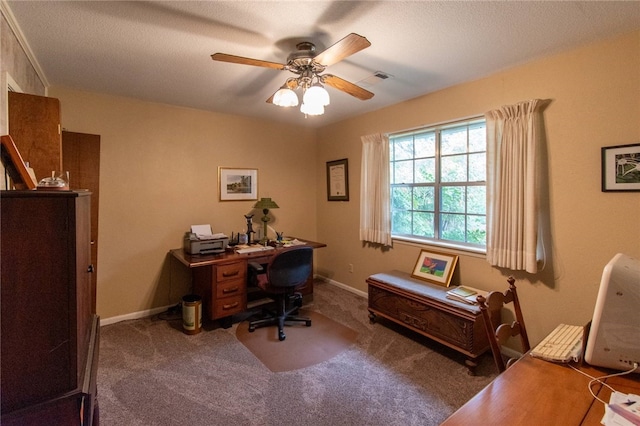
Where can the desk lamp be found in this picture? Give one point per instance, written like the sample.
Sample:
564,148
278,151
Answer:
265,204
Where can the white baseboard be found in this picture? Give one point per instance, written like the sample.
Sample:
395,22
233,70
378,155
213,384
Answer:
343,286
156,311
135,315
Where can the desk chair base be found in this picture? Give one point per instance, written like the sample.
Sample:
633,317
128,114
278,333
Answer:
282,316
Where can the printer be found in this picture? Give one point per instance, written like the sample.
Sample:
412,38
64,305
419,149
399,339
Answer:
200,240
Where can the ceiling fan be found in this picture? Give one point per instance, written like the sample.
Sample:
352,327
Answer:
309,65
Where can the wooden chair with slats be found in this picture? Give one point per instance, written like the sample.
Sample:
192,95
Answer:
498,334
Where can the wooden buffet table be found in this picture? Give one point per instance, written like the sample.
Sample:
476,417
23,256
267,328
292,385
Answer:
221,279
537,392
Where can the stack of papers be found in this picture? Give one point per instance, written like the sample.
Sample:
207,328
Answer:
465,294
623,409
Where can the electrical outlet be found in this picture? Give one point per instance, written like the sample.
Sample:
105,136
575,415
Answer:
351,267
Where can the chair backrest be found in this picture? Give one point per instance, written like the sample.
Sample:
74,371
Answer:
498,334
291,267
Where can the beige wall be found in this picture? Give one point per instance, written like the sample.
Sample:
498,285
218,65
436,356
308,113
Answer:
595,94
158,176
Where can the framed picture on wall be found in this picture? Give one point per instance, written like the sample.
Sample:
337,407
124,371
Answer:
435,267
338,180
237,184
621,168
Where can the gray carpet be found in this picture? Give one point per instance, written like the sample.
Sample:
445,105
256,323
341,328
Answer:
150,373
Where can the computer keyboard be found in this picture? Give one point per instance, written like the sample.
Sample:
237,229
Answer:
562,345
254,249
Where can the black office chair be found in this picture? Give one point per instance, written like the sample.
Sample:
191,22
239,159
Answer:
288,270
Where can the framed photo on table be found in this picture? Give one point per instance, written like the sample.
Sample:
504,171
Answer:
237,184
621,168
435,267
338,180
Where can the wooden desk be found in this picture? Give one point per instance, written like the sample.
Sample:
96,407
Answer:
537,392
221,279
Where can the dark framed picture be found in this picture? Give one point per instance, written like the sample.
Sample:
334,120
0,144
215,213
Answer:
237,184
435,267
338,180
621,168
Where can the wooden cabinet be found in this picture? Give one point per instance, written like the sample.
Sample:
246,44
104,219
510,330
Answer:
50,335
425,309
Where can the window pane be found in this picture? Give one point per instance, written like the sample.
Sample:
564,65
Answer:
400,198
425,145
477,137
453,141
425,170
401,222
452,199
477,167
423,224
402,172
423,198
402,148
476,199
453,168
477,230
452,226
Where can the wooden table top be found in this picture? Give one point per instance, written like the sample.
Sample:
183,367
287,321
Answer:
193,261
538,392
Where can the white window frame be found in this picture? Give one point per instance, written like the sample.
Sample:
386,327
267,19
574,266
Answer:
437,185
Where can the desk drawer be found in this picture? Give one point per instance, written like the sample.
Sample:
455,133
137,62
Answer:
230,288
229,306
231,271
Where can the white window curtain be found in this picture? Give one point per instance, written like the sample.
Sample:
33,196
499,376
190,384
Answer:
375,220
513,141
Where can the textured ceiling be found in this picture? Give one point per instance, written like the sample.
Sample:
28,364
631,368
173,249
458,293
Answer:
160,51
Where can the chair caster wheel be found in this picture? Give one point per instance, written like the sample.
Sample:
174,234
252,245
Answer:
308,323
251,329
281,336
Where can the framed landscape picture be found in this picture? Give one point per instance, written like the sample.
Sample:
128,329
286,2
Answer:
435,267
621,168
237,184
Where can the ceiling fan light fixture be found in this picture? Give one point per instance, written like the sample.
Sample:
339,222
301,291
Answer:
311,109
316,94
285,97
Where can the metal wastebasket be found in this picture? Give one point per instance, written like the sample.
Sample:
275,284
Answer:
192,314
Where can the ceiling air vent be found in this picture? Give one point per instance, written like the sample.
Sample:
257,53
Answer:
374,79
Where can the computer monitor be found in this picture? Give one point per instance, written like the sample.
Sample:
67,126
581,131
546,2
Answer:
614,337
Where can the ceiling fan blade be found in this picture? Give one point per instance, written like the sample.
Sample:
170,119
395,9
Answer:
347,87
246,61
349,45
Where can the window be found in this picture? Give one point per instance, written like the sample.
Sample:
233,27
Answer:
438,188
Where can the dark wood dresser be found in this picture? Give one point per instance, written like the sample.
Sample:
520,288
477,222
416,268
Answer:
424,308
50,334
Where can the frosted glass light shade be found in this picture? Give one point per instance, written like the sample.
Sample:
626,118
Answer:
316,94
285,97
312,109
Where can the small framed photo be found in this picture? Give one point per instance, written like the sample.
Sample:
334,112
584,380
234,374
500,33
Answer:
435,267
338,180
621,168
237,184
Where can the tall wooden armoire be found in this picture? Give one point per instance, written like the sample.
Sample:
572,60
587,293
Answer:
50,335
